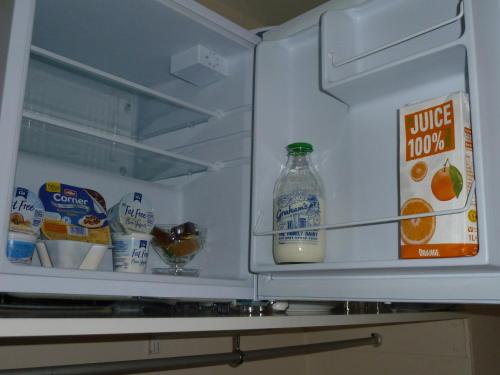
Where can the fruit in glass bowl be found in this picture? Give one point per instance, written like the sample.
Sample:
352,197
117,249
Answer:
177,245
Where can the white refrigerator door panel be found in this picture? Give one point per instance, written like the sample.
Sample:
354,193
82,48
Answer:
355,134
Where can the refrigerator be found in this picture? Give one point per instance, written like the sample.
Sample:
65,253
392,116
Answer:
169,99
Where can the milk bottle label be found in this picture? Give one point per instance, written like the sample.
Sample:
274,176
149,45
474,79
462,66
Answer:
295,211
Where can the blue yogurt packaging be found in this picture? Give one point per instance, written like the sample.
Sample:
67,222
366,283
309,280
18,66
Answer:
26,216
20,247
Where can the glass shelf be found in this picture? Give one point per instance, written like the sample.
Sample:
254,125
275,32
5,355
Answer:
81,115
64,141
69,90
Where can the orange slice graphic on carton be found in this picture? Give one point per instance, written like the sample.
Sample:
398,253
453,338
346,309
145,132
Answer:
418,171
417,231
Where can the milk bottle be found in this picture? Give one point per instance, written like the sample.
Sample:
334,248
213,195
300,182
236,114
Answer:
299,204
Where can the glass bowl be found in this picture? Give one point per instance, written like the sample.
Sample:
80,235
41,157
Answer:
177,245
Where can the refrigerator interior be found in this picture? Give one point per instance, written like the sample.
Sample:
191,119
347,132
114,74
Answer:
349,113
103,111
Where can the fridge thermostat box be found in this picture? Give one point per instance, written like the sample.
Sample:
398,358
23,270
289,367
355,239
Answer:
199,65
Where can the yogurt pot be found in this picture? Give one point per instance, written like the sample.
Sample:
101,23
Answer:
73,214
20,247
130,252
132,214
27,212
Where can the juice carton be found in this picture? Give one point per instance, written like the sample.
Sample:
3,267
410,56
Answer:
436,173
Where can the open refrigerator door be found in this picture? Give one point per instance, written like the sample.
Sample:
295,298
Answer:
337,78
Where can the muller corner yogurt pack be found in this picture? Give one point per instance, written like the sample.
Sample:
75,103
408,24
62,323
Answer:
132,214
73,213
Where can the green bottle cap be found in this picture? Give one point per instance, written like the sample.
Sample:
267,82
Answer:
299,148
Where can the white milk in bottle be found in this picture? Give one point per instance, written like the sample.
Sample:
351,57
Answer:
299,204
